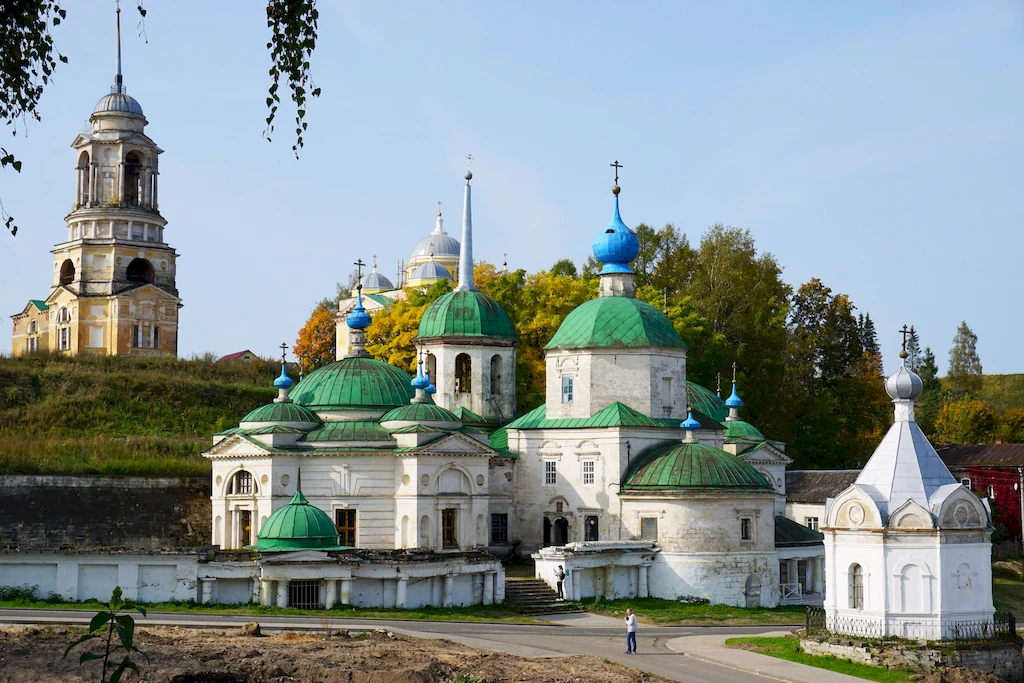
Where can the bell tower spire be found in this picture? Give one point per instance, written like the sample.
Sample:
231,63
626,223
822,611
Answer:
118,81
466,251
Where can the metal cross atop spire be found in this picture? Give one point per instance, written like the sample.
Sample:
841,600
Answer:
907,333
718,385
439,208
359,273
617,166
734,372
284,351
469,162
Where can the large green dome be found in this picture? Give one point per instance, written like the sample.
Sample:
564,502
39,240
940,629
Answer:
298,526
281,412
466,313
354,383
615,322
689,466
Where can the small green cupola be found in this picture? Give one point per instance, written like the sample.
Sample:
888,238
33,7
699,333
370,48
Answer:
297,526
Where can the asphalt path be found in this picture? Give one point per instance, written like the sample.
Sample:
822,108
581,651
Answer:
530,640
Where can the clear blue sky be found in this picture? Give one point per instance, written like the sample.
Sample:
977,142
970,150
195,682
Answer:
875,145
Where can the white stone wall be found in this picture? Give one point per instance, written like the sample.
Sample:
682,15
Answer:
799,512
499,405
719,577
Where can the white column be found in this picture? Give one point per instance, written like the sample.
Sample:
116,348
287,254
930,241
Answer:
401,592
478,589
144,199
794,577
282,592
332,593
93,183
120,182
346,591
642,582
266,592
207,591
488,596
449,586
156,175
577,586
609,582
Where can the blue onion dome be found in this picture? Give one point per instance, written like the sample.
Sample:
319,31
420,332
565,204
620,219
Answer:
617,245
420,381
284,381
689,424
358,319
431,389
118,103
734,401
431,270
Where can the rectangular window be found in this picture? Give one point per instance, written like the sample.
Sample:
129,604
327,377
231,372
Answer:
499,528
156,337
95,337
136,336
811,523
345,520
64,339
966,482
304,594
591,528
550,472
666,392
449,539
567,388
649,528
745,530
588,472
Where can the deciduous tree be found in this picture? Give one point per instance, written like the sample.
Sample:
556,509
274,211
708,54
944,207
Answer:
964,363
317,344
965,421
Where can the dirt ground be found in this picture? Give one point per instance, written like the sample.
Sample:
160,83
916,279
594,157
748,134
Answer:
186,656
958,675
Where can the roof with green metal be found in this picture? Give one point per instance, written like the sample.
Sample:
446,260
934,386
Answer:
498,440
418,429
615,322
353,383
468,417
274,429
706,401
281,412
382,300
348,431
40,304
691,466
738,429
615,415
790,534
466,313
420,412
298,526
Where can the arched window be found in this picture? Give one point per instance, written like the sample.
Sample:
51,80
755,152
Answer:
63,329
33,327
242,484
463,374
495,374
431,367
84,178
856,587
132,179
67,272
140,270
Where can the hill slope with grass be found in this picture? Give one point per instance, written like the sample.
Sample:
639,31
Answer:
110,415
1000,392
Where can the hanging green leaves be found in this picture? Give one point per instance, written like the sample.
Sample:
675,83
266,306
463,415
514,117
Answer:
294,26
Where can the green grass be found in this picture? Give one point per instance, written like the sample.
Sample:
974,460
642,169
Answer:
1001,392
788,648
111,415
670,612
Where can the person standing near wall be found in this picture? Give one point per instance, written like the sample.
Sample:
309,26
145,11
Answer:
630,632
559,580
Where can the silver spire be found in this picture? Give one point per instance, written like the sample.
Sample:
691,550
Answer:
466,250
118,82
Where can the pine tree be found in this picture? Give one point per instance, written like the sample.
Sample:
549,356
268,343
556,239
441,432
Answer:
931,397
964,363
869,338
914,359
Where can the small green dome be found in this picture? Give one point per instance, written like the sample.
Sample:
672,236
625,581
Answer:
692,466
348,431
706,401
615,322
298,526
353,383
419,413
466,313
738,429
281,412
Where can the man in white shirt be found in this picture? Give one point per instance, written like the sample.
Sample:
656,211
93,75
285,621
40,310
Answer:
630,632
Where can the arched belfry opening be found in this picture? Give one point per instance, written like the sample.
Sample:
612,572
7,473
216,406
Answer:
140,271
463,374
133,179
84,178
495,374
67,272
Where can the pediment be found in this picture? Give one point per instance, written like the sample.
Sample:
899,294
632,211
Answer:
81,140
911,515
297,556
852,509
457,444
766,454
961,509
236,445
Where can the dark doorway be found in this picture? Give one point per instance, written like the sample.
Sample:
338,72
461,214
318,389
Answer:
140,270
561,531
67,272
304,594
547,532
449,539
590,529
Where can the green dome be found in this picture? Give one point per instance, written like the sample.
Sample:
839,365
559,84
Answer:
353,383
281,412
298,526
706,401
420,412
348,431
692,466
615,322
466,313
738,429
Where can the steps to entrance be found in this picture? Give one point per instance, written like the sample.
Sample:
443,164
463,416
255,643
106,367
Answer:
534,597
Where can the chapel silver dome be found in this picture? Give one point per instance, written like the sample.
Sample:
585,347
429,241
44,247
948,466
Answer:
431,270
440,244
377,281
119,103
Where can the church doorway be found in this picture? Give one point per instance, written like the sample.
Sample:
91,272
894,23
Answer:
590,528
547,532
560,534
753,591
245,527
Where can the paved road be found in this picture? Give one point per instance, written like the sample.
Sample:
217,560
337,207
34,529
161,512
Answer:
520,639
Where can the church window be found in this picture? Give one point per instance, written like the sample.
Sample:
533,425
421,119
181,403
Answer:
244,527
550,472
856,587
463,374
567,388
449,539
241,484
156,337
649,528
589,467
304,594
140,271
67,272
666,392
63,331
499,528
84,178
745,529
966,482
811,523
132,179
590,528
136,336
495,374
431,367
345,520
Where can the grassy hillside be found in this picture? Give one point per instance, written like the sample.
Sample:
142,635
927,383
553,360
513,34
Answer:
1000,392
112,415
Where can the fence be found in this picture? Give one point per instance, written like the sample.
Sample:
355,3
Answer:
1006,549
1002,626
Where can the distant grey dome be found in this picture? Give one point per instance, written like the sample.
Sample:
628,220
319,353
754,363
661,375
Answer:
904,385
440,244
377,281
119,102
431,270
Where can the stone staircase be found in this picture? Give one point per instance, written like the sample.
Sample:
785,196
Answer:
533,597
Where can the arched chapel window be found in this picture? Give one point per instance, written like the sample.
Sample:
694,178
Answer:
463,374
495,374
242,484
857,587
132,179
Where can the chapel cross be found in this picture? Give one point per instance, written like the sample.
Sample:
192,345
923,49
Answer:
906,334
718,386
359,273
469,161
284,351
617,166
734,372
439,208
